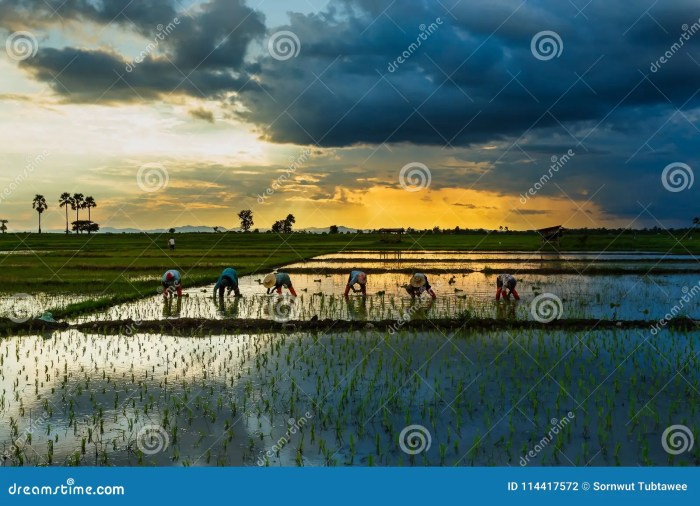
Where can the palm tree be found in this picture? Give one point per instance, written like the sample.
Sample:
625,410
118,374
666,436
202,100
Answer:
3,226
76,204
66,201
39,203
88,204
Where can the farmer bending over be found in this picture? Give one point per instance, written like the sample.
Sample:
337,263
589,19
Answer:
171,283
419,284
356,278
275,281
505,283
228,280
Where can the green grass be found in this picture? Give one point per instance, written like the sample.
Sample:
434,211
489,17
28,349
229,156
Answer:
106,265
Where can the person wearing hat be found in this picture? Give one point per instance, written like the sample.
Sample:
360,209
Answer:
171,283
275,281
505,283
356,278
419,284
228,280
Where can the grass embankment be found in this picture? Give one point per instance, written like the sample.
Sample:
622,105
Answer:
116,268
204,327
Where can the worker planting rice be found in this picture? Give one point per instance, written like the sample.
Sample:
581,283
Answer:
418,284
228,280
356,278
172,283
275,281
505,285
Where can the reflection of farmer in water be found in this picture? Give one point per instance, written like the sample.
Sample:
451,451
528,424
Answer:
231,310
419,284
168,310
275,281
356,278
505,285
357,308
229,281
505,310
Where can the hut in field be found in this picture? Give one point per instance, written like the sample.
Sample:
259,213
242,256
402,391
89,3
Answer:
391,234
551,235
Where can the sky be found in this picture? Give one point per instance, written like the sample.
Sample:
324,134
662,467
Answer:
361,113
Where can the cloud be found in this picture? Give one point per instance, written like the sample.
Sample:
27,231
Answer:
203,114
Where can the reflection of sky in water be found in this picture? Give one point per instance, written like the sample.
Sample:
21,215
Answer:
617,297
226,400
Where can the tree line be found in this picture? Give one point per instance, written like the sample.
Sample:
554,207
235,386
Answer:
76,202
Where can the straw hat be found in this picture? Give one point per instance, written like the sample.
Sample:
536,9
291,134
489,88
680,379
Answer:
269,280
362,278
417,281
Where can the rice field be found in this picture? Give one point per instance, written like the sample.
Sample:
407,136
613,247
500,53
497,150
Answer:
396,397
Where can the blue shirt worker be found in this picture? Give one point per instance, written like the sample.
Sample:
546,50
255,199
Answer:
275,281
419,284
356,278
172,283
229,281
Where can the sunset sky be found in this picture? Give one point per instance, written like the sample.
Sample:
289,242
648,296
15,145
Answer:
218,112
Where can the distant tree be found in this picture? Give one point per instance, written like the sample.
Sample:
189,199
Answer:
171,230
3,226
696,221
65,200
278,227
436,230
333,229
246,217
216,229
505,229
88,204
40,205
500,229
288,222
85,226
76,204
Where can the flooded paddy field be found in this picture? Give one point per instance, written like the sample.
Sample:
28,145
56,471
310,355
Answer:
359,398
626,297
380,395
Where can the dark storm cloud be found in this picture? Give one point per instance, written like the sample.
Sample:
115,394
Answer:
199,52
474,78
609,96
